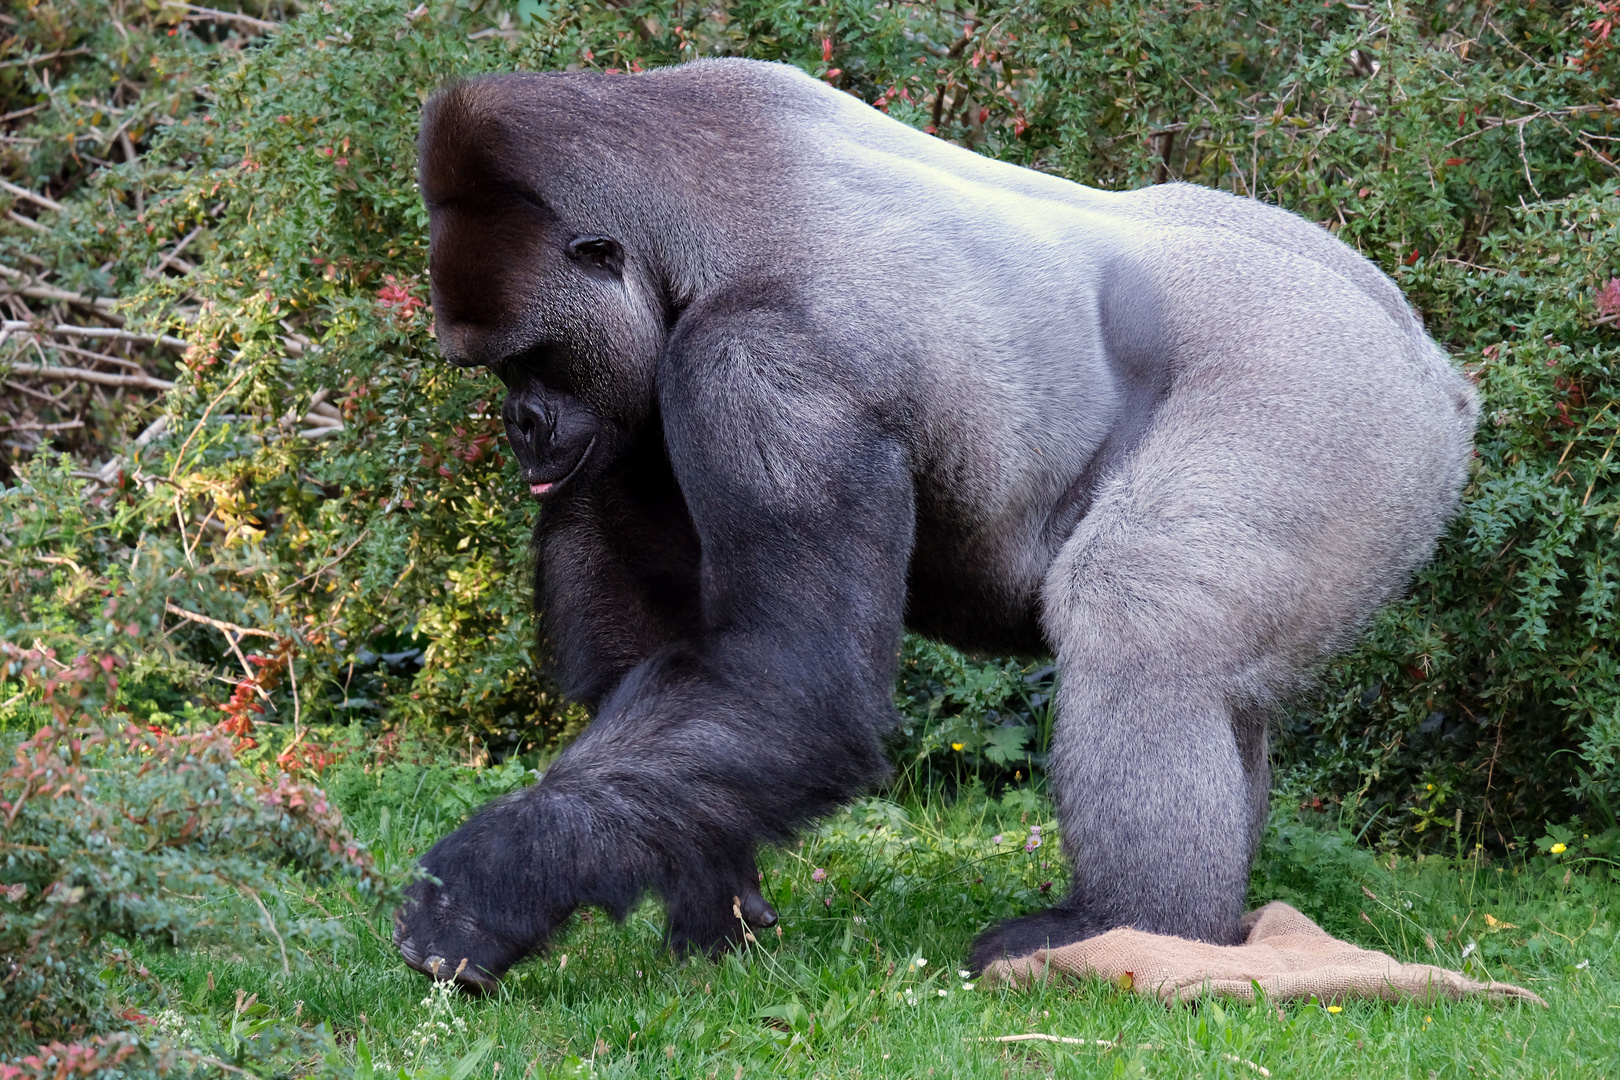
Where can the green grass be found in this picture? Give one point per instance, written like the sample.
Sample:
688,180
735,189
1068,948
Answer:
844,991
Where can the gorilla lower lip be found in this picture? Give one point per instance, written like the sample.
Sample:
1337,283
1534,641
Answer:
549,486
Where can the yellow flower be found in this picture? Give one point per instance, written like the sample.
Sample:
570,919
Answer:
1335,1008
1558,849
1431,787
956,746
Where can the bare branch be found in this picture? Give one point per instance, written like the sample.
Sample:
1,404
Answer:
181,456
232,16
65,330
227,629
63,426
173,257
100,378
15,114
27,221
30,391
107,358
40,59
32,288
24,193
286,971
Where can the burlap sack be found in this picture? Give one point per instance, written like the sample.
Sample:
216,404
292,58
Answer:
1287,955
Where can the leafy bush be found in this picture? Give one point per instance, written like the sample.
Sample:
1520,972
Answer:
114,832
322,479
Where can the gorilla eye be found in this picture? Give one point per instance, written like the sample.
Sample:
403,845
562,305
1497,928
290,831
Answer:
600,256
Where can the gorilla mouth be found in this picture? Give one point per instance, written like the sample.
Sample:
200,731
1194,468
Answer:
549,487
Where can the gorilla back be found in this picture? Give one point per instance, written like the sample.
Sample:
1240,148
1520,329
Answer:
788,376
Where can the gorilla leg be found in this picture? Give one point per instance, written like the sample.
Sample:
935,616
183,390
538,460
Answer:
1252,726
1156,807
1179,614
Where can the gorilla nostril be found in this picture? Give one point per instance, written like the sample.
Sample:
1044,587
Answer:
526,420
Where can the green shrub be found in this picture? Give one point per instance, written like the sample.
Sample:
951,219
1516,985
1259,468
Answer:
117,833
324,480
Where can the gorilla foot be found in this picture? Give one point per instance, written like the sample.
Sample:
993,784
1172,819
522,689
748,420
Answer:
1049,929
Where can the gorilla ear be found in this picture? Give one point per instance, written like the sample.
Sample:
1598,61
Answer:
600,256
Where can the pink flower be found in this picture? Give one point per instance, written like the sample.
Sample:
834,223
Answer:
818,875
996,839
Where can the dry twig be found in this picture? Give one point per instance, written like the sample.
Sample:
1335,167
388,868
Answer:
100,378
249,21
106,332
24,193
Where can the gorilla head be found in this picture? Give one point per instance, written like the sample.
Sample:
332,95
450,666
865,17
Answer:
536,280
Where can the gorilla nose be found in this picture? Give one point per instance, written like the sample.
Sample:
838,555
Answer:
525,418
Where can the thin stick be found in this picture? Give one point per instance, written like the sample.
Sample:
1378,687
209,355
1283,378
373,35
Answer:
26,221
101,378
181,456
24,193
100,306
344,554
30,60
29,287
292,675
102,357
63,426
286,969
65,330
1607,451
217,624
223,627
21,389
232,16
1526,162
25,112
1037,1036
157,271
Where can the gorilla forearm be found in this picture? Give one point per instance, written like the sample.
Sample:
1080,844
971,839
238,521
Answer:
768,713
686,771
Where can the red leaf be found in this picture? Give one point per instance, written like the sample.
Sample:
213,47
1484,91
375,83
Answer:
1608,298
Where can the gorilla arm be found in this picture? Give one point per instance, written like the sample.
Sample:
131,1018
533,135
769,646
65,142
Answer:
766,716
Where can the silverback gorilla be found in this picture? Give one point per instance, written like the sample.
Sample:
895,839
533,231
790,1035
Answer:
788,376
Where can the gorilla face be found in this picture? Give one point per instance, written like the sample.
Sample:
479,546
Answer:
524,282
